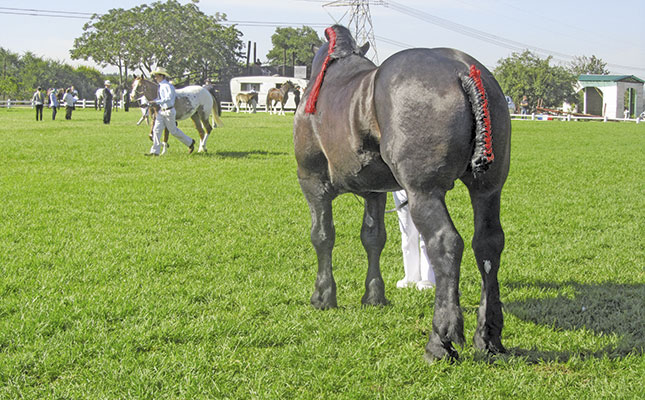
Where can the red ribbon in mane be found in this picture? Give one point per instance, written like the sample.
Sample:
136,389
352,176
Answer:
313,96
476,75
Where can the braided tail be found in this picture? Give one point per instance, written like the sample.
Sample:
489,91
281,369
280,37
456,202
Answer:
483,152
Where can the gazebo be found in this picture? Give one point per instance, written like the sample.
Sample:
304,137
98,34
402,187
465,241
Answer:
610,95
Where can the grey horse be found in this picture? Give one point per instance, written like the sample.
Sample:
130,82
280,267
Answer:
420,121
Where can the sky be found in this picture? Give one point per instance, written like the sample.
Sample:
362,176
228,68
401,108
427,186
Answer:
489,30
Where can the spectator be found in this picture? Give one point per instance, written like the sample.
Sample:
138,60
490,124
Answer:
107,103
53,103
38,100
69,103
524,106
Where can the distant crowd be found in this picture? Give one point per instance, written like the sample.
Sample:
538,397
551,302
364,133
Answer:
55,99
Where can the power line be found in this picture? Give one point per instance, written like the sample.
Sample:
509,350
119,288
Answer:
485,36
46,11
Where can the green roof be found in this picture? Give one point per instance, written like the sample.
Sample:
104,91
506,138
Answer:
610,78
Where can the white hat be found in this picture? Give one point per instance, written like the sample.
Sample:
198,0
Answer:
107,82
160,71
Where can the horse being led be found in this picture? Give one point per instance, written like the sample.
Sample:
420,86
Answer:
250,101
278,95
195,102
420,121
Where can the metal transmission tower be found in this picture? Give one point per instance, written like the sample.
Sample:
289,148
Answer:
360,21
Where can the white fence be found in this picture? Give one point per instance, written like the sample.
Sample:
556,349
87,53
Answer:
81,103
229,106
568,117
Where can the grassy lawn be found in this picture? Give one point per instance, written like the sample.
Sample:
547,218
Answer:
189,277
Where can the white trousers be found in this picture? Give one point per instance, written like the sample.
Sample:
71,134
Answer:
416,264
166,119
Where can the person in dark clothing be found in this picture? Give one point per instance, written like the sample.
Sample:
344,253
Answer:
107,103
296,95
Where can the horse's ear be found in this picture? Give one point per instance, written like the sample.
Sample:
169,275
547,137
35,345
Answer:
364,48
314,49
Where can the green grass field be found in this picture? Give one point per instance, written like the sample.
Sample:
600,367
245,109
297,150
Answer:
189,277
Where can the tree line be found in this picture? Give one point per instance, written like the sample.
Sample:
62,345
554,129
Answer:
194,46
22,74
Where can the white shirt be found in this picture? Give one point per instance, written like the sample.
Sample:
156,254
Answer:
69,99
167,95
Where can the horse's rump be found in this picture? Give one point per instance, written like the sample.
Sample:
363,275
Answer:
191,99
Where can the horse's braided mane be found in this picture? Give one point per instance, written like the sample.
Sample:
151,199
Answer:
345,43
341,44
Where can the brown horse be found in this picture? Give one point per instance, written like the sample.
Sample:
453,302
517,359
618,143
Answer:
422,120
250,100
195,102
279,95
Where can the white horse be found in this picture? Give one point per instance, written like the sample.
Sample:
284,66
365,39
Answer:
192,101
99,95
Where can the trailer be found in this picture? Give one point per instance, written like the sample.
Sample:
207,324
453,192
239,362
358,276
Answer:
262,84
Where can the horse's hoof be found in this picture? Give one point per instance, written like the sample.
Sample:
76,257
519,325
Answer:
436,350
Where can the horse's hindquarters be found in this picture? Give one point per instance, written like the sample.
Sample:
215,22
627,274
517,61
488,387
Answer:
425,116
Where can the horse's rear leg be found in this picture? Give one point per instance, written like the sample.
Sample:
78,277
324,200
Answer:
323,236
373,237
445,249
198,125
488,243
207,125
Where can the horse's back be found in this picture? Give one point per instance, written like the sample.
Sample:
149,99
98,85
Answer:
191,99
424,112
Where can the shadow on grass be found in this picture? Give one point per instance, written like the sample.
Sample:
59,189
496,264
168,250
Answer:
605,309
246,154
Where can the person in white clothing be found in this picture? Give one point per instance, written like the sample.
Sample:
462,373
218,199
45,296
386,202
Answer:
165,118
416,264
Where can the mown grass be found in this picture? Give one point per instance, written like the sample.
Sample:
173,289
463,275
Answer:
187,277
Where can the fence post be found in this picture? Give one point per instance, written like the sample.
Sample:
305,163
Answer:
533,117
8,103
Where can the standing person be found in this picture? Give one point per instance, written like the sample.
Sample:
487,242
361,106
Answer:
53,103
524,105
165,118
416,264
296,96
69,103
38,100
107,103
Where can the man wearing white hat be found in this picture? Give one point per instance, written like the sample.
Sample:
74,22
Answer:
166,116
107,103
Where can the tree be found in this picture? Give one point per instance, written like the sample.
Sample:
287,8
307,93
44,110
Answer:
525,74
108,40
296,41
22,74
181,38
588,65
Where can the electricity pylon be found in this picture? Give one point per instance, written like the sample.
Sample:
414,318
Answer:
360,21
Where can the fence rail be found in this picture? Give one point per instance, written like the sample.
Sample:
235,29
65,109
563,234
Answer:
229,106
568,117
82,103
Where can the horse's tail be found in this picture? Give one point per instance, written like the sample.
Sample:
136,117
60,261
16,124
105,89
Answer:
217,108
483,155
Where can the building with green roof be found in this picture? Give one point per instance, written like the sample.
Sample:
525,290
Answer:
610,95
